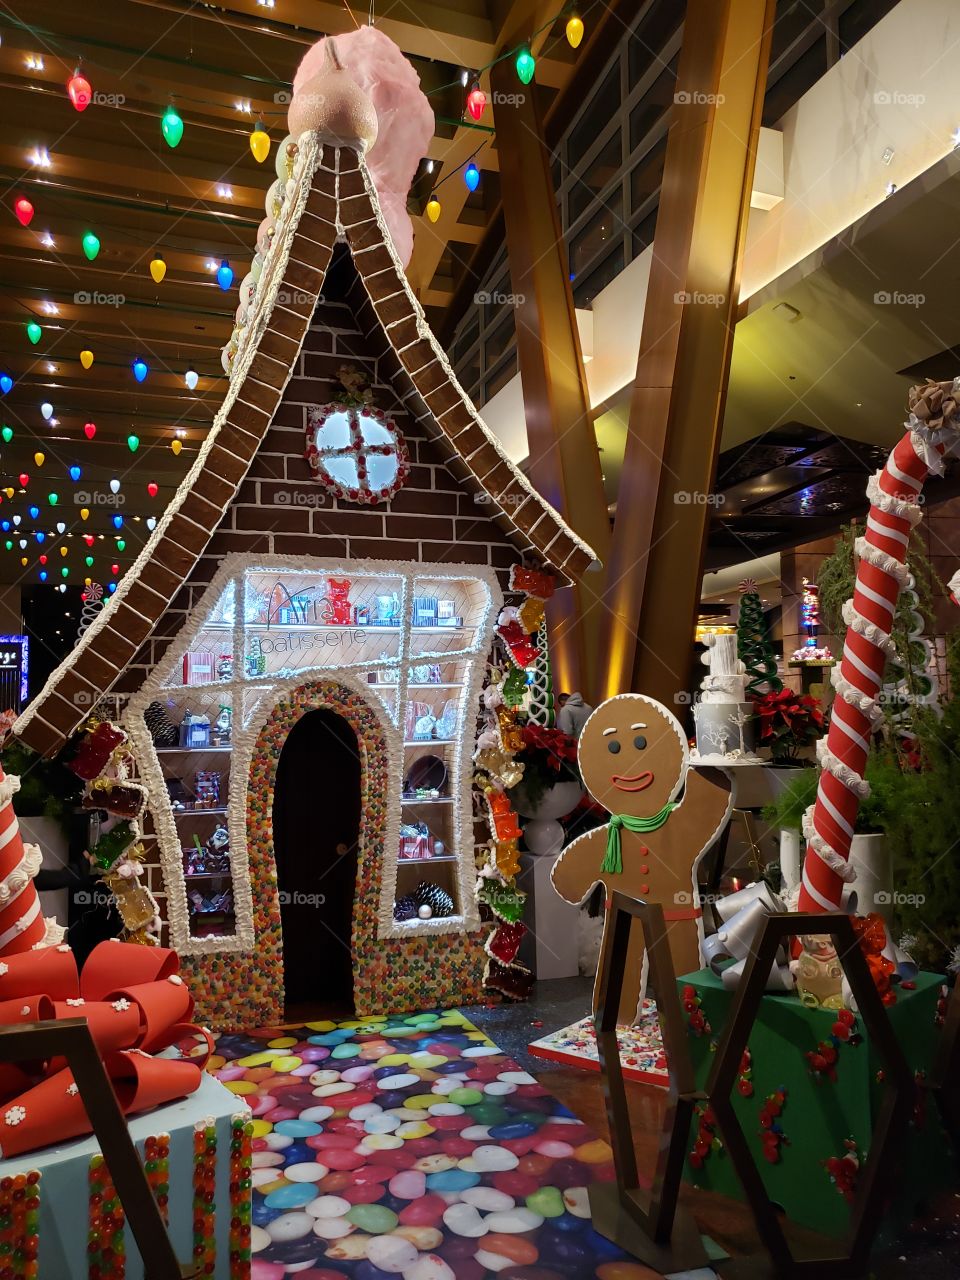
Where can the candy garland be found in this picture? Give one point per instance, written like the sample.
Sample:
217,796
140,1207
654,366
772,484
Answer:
497,770
932,428
241,1183
156,1164
103,761
205,1197
19,1226
517,625
106,1247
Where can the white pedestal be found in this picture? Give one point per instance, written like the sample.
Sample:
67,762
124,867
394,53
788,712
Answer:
551,947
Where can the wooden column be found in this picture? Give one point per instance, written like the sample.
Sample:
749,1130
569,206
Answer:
676,412
564,460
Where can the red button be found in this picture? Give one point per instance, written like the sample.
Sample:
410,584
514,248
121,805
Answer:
644,869
644,850
644,888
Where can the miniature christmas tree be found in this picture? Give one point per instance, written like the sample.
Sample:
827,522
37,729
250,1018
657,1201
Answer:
753,644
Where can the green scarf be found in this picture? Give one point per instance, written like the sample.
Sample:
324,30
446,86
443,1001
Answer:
613,859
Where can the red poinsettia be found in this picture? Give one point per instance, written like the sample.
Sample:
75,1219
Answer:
548,756
788,722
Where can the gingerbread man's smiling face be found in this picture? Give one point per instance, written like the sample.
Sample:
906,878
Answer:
632,755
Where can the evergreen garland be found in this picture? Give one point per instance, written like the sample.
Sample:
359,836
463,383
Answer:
753,644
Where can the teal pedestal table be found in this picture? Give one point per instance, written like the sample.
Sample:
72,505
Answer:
824,1114
64,1185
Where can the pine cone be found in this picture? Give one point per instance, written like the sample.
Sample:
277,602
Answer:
405,908
437,899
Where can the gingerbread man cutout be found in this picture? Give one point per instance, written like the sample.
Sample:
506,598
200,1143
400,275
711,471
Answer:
634,760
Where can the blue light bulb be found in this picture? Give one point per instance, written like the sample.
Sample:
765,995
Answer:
471,176
5,526
224,275
118,522
40,536
43,575
111,587
6,383
140,370
34,512
74,473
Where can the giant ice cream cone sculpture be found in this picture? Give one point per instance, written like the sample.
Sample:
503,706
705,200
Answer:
22,925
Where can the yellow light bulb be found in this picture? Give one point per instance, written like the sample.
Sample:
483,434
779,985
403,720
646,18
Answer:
176,446
84,513
158,268
23,561
574,31
86,358
63,551
39,458
260,143
433,208
9,492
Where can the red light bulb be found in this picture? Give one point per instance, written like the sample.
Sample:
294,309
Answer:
89,430
24,479
476,102
24,211
79,91
152,489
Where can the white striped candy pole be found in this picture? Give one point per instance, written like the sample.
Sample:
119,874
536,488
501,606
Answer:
933,426
22,925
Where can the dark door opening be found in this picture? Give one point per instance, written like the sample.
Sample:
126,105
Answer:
316,828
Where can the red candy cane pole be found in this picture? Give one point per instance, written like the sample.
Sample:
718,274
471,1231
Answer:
22,925
881,574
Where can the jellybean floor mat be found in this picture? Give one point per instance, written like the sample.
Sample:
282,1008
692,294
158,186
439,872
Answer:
412,1147
641,1047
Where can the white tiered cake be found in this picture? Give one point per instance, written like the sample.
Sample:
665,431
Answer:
723,714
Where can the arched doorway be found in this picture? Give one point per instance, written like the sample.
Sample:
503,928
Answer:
316,831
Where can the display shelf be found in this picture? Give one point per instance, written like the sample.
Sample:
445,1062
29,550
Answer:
428,800
189,751
192,813
207,875
411,925
428,742
426,862
433,685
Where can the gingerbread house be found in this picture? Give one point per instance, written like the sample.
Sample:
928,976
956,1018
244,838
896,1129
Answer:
303,641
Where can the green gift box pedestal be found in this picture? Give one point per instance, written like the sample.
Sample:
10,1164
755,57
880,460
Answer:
819,1114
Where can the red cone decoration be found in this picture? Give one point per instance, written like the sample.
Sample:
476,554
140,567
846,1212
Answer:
24,211
78,88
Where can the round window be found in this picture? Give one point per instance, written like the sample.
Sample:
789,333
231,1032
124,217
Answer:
358,453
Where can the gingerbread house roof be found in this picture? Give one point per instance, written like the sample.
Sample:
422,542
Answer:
334,200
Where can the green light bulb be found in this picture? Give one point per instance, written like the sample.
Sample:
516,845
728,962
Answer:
172,127
53,499
91,246
34,332
7,434
526,65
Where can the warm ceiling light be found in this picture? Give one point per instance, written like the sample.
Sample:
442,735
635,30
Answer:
34,62
225,193
40,157
48,241
243,107
50,308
